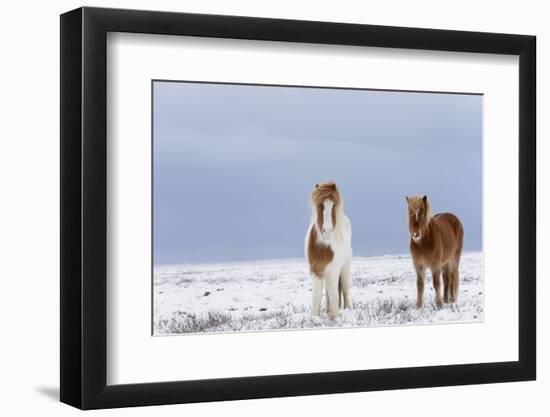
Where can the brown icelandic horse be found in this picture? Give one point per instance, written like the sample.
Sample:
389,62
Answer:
435,243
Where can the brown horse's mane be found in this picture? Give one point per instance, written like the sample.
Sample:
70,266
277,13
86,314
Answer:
325,190
418,203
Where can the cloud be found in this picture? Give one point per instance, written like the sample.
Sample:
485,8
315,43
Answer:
234,165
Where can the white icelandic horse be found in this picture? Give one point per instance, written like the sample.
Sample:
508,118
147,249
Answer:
328,249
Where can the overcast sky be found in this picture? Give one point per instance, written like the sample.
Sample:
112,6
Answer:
234,166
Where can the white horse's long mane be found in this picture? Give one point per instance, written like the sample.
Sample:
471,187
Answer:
323,191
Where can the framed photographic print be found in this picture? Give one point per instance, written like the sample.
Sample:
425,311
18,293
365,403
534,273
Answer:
339,207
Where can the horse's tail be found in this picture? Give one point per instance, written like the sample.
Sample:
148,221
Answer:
458,230
340,292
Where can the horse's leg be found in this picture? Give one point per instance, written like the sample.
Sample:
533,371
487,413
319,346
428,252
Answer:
340,292
331,288
446,282
436,277
419,286
345,282
455,281
317,293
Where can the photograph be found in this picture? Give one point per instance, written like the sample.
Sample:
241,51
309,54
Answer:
285,204
297,207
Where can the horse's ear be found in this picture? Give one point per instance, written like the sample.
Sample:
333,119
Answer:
425,199
316,185
407,198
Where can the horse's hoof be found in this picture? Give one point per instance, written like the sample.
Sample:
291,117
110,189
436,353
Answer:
332,316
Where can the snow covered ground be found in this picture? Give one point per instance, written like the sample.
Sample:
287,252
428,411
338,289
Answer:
276,294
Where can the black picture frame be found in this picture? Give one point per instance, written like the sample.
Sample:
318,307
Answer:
84,207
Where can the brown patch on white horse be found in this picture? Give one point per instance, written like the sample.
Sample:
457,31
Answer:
319,256
328,248
436,243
